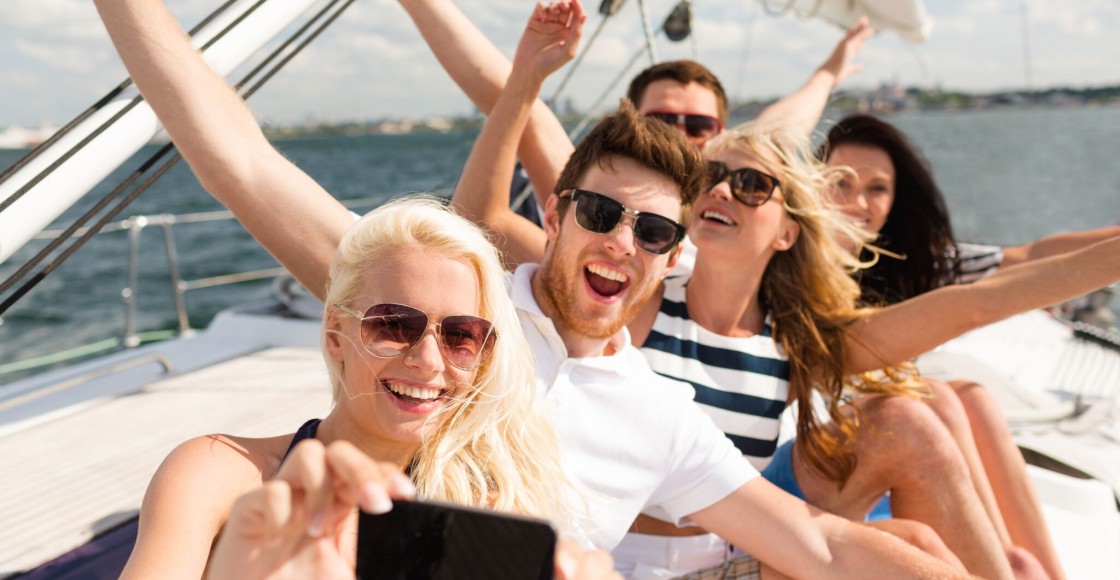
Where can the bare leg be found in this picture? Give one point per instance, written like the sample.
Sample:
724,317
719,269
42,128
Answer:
952,413
920,536
1006,469
914,533
904,448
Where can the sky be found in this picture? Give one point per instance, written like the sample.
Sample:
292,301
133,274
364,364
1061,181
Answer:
56,59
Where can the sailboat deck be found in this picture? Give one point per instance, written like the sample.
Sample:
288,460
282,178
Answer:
75,475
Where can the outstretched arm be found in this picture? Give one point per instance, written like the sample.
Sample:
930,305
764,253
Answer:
482,194
802,541
802,110
902,331
1056,244
284,209
481,71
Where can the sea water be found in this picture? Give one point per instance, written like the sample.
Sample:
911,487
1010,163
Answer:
1009,175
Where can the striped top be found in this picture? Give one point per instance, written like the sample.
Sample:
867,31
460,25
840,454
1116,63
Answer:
742,383
977,261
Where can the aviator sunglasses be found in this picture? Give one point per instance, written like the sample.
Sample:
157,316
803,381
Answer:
600,214
390,330
750,186
696,126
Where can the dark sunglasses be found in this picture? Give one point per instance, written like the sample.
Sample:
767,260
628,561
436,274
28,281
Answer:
600,214
698,126
750,186
390,330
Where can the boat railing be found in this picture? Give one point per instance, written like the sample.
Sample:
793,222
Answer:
133,336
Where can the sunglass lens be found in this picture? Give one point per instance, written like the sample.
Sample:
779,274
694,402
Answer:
655,234
700,126
597,213
717,172
751,187
389,330
467,340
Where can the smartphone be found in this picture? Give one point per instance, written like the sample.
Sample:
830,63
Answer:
435,541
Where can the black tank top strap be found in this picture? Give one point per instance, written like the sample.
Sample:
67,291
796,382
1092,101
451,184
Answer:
306,431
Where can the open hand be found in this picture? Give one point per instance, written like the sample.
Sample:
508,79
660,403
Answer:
303,523
551,37
839,63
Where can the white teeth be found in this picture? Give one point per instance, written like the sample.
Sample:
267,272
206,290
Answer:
713,215
608,273
413,391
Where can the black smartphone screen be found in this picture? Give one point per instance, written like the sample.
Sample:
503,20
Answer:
435,541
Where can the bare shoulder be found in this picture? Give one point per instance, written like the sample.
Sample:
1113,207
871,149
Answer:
190,497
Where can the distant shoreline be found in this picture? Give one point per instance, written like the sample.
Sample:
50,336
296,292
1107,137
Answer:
886,99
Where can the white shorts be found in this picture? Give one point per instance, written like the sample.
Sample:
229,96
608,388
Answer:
641,556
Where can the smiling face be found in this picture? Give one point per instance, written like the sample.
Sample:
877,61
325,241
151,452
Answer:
868,197
596,283
405,398
721,226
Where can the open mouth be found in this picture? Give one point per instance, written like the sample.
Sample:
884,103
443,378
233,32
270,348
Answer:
413,394
717,217
605,281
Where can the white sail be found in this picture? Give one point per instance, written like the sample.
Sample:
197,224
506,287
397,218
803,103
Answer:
906,17
40,206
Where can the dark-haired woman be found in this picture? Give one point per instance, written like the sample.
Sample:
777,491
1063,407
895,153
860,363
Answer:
892,192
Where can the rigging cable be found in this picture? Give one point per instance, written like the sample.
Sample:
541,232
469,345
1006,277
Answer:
103,220
608,8
31,155
19,193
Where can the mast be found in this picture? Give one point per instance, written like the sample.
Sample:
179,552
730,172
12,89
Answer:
60,174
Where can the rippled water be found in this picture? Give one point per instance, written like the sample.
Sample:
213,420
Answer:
1010,176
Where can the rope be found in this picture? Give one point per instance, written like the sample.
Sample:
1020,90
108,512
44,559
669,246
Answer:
89,233
5,204
31,155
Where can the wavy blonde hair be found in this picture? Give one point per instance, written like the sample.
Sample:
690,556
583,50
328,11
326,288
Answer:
494,448
812,298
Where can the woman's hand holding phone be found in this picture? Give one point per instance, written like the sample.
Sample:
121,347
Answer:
296,525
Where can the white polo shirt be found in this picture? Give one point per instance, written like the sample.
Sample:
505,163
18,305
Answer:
632,439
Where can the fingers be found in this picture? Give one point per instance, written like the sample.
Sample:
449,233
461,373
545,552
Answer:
365,482
305,470
335,480
575,563
564,12
262,513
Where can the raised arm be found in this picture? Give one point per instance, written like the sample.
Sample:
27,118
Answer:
1056,244
803,109
481,71
802,541
905,330
482,194
284,209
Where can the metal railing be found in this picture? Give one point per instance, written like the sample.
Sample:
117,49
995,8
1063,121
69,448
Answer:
135,227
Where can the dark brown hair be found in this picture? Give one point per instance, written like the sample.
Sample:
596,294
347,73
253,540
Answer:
647,142
683,72
917,225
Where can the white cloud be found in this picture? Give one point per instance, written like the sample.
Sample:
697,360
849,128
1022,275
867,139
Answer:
374,62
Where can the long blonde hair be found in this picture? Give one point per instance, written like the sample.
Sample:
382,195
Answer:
812,298
495,448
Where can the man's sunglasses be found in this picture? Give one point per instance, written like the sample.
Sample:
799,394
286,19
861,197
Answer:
600,214
696,126
390,330
750,186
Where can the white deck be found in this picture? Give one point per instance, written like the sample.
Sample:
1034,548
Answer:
84,471
77,460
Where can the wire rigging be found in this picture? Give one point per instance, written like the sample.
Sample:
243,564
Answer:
147,165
